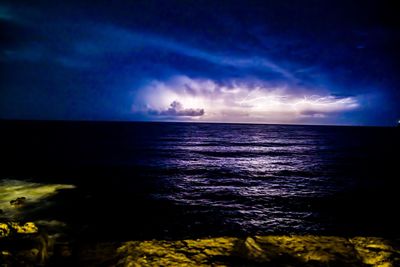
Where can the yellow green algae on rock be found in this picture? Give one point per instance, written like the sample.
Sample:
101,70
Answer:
22,245
24,191
376,251
12,227
297,250
327,250
200,252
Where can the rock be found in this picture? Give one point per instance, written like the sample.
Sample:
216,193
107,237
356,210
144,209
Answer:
27,228
295,250
22,244
4,230
18,202
13,228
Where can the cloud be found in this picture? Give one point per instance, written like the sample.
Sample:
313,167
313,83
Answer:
88,46
237,101
132,41
176,109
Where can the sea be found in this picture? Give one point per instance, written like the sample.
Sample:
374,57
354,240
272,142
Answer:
159,180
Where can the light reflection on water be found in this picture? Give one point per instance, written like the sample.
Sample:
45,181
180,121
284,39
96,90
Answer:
241,173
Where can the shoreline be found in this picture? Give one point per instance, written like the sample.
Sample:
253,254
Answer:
29,245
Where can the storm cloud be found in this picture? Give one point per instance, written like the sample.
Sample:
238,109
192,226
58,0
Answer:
238,100
176,109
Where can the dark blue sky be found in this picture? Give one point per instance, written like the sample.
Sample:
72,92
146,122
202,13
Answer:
322,62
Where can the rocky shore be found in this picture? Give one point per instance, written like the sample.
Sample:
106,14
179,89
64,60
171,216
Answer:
251,251
25,245
23,241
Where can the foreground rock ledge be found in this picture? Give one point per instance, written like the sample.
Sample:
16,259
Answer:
24,245
305,250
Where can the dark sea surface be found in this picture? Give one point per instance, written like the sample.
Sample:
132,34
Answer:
187,180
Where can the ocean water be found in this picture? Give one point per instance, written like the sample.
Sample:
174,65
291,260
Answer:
187,180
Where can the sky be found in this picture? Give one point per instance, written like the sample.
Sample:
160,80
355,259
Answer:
295,62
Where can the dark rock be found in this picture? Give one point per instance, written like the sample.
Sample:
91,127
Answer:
22,245
26,250
18,202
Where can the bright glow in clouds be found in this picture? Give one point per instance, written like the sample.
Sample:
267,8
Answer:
183,98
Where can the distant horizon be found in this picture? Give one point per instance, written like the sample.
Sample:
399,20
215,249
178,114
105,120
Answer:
187,122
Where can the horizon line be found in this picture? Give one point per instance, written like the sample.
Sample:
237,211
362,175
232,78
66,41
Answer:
187,122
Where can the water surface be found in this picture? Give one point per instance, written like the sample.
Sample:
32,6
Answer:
175,180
